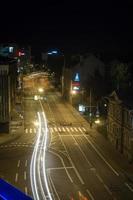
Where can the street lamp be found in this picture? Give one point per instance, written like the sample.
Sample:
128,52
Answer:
40,90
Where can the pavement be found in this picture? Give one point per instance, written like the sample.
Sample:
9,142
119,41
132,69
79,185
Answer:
16,129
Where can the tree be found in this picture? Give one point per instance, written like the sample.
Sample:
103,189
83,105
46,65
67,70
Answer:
120,75
97,84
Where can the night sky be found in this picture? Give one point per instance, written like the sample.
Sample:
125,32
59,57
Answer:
71,26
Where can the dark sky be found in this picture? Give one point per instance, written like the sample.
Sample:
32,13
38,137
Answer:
72,26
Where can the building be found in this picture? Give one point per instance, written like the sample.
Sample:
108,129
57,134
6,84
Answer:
120,123
8,84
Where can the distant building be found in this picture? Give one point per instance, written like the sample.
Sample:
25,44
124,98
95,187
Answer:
120,123
8,81
87,66
8,50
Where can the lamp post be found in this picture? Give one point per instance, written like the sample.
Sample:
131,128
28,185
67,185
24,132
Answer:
62,78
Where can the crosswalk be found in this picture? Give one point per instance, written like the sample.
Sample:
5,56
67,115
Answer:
58,129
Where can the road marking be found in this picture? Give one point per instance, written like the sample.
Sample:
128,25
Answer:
72,129
34,130
59,129
26,190
30,130
63,129
16,177
129,187
108,190
75,129
65,168
89,193
83,128
67,129
26,130
100,179
25,175
55,129
80,129
26,163
55,168
101,156
18,165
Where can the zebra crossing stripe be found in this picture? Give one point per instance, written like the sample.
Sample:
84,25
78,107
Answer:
80,129
59,129
83,128
26,130
72,129
63,129
67,129
55,129
75,129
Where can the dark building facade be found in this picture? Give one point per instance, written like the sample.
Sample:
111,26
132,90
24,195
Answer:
8,84
120,123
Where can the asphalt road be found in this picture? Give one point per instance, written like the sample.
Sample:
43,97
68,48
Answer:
59,159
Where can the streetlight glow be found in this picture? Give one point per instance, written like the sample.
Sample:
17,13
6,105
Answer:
73,91
40,90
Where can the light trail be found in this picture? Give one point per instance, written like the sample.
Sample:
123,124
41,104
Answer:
38,175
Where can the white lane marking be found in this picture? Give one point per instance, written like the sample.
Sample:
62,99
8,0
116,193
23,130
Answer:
55,129
89,193
16,177
65,168
80,129
54,187
67,129
100,179
81,151
25,175
83,128
129,187
63,129
101,156
18,165
26,130
72,129
108,190
75,129
76,171
60,168
26,190
59,129
30,130
26,163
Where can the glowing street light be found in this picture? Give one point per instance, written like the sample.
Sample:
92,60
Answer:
97,121
74,92
40,90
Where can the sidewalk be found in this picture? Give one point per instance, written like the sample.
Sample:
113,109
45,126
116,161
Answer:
16,130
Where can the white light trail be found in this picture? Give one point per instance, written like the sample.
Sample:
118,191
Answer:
39,182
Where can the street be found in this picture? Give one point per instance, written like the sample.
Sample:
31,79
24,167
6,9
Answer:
57,159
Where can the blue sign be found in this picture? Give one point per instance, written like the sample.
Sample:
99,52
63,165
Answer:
54,52
77,77
9,192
